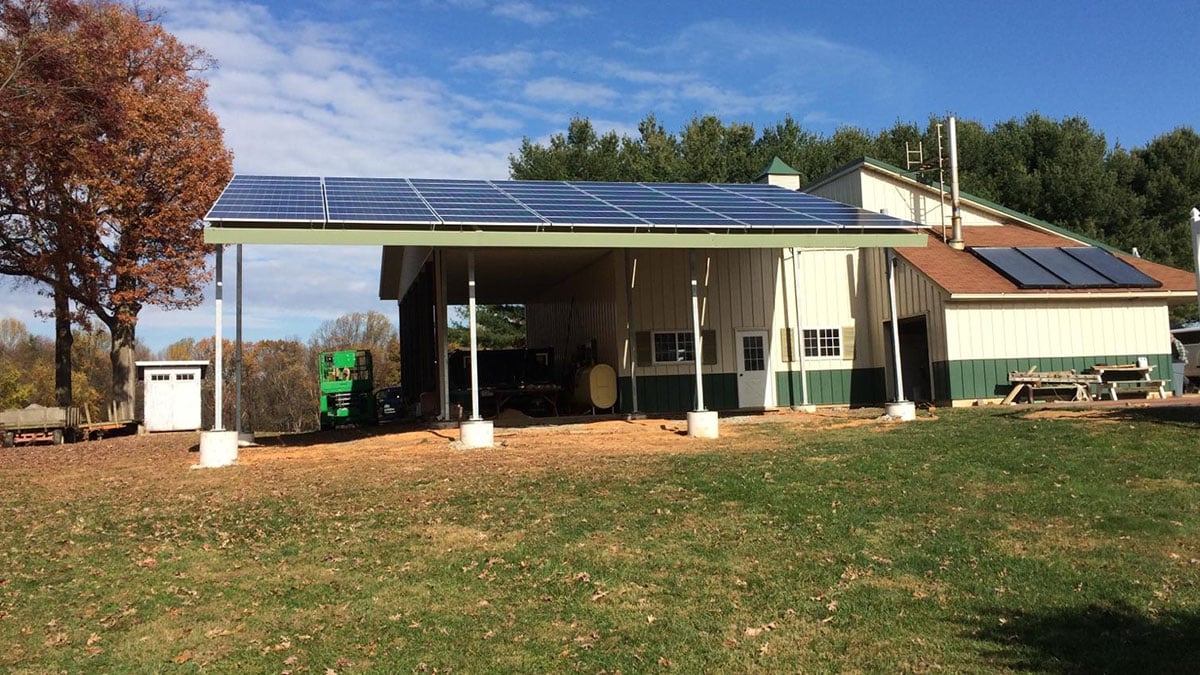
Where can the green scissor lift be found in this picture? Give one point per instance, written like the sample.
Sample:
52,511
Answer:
347,388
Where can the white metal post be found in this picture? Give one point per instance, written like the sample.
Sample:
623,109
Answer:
630,280
475,417
696,339
1196,249
237,422
799,336
891,277
218,407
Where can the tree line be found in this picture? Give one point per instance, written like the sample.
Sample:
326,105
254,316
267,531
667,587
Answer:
1061,171
279,381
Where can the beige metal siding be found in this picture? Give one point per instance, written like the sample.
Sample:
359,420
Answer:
579,309
885,193
738,289
847,189
1055,329
916,295
835,292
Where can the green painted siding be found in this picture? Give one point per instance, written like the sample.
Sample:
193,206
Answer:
988,378
857,386
677,393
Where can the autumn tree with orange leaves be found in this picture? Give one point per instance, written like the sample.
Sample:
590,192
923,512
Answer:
110,158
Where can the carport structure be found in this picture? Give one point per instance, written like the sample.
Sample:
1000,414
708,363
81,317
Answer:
594,248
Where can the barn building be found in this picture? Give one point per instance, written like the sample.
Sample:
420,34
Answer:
729,297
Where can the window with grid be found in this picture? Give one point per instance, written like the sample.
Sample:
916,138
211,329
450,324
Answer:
674,348
823,342
754,353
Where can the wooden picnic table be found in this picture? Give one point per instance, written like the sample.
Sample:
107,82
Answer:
1127,377
1064,385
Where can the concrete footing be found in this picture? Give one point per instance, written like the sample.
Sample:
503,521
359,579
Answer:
245,439
905,411
217,449
702,424
476,434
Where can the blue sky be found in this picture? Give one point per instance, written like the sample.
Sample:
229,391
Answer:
449,88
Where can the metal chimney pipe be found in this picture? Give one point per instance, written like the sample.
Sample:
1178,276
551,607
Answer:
956,235
1196,247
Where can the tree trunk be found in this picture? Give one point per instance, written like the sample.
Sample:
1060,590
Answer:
63,341
124,373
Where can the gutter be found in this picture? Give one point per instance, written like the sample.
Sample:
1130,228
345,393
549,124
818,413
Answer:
1124,295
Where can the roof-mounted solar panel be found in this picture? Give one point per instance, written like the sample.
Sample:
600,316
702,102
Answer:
1074,273
399,203
291,199
1018,267
1063,267
1121,272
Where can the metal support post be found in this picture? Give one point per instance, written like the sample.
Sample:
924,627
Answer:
475,417
218,407
630,281
696,339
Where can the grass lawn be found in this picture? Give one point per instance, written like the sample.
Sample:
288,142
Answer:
977,541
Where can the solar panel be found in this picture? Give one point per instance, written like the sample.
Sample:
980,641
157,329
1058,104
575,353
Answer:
1121,272
1019,268
399,202
376,200
1067,268
1064,267
270,198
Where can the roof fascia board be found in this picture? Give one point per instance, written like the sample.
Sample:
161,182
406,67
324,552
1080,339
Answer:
494,239
1181,296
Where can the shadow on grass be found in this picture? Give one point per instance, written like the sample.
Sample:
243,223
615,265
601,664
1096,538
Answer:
1092,639
1176,415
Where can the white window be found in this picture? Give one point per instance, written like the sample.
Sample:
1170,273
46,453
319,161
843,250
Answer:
674,348
823,343
160,377
185,376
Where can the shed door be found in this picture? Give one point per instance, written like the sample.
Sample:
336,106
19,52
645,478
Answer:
754,375
172,400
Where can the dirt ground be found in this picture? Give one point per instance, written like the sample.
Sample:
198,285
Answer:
519,440
524,440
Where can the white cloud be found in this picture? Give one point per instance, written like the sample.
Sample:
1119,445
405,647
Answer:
512,63
569,91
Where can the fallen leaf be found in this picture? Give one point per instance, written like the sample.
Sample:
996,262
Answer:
183,657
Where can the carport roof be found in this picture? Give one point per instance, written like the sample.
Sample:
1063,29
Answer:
539,214
409,217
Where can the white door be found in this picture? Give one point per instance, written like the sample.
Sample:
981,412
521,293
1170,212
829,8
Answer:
159,411
754,377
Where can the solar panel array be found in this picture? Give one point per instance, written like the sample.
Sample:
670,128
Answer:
1065,267
403,202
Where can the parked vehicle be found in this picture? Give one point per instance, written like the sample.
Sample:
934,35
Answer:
347,388
1190,337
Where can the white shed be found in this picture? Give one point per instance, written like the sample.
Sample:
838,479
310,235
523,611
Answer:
171,394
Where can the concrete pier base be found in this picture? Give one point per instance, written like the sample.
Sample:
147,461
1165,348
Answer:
217,449
905,411
702,424
476,434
